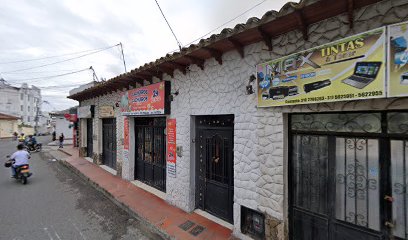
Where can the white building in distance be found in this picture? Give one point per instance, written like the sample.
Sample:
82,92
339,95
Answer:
23,102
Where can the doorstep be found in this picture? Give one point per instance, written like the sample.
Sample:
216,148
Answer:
169,221
108,169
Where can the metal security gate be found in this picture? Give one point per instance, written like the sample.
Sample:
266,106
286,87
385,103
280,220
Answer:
89,137
215,176
151,152
348,176
109,142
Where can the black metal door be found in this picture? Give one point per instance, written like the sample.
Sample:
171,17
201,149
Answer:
151,151
215,180
109,142
348,177
89,137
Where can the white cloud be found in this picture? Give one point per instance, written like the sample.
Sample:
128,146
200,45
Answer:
43,28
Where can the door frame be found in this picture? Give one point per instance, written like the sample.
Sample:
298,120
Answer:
113,163
89,121
200,127
384,140
152,165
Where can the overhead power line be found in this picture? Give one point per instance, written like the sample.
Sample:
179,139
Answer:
240,15
222,25
48,77
55,56
41,72
168,24
66,60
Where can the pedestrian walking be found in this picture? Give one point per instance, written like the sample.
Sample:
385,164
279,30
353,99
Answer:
61,140
54,136
15,136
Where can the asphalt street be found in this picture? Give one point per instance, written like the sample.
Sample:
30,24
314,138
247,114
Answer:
56,204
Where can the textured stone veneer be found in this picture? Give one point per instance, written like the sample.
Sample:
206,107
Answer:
260,164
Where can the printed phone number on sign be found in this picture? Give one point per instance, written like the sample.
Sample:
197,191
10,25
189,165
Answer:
336,97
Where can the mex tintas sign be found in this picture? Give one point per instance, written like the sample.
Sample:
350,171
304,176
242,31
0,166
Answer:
348,69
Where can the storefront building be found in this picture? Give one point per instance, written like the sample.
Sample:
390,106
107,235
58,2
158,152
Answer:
265,126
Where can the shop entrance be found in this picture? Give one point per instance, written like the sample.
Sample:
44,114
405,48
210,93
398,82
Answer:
89,138
348,175
151,151
109,142
214,167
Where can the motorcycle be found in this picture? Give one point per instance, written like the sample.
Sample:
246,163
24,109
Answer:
34,147
22,172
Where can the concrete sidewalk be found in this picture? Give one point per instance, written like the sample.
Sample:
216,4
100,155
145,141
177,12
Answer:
165,219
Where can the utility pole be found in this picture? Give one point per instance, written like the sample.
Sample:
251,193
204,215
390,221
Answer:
36,117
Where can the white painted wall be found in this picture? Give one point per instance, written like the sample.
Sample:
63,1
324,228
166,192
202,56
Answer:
61,126
260,153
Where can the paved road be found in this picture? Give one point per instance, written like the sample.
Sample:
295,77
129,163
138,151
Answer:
56,205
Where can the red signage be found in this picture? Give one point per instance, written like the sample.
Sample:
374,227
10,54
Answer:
148,100
171,147
71,117
126,134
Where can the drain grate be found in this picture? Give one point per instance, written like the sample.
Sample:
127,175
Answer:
197,230
187,225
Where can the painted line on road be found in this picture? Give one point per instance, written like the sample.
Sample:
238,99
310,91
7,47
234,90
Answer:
49,234
55,232
76,227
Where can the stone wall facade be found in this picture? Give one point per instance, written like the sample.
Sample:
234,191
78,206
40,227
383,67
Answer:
260,148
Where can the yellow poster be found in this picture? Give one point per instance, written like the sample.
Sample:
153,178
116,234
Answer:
348,69
398,60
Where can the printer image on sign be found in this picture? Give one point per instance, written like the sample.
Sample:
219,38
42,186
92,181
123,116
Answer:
348,69
398,60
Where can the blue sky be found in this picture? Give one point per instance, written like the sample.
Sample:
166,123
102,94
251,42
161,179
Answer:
43,28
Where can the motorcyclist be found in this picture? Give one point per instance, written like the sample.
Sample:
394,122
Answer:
20,158
31,142
21,138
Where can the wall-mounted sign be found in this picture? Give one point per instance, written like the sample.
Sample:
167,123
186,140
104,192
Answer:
348,69
71,117
126,139
148,100
398,60
171,147
106,112
85,111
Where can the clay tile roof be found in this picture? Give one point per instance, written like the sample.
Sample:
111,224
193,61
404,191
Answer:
8,117
292,16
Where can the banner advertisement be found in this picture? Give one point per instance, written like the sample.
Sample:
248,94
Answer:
171,147
348,69
125,133
398,60
147,100
126,139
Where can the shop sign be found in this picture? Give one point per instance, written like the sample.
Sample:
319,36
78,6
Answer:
348,69
148,100
398,60
106,112
126,139
85,112
71,117
171,147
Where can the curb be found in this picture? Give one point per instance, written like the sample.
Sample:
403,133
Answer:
143,222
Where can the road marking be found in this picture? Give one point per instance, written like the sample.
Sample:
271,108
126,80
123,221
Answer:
49,234
76,227
55,232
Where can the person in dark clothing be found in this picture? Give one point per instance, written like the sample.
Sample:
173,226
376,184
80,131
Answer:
54,136
61,140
